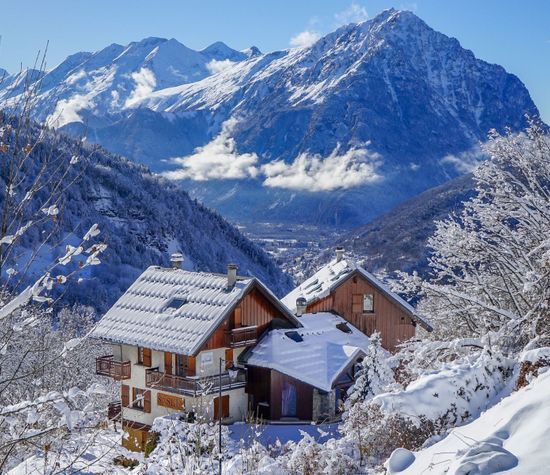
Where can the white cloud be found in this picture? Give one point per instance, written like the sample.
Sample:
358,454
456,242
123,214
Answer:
464,162
304,39
216,66
145,85
313,173
355,13
66,110
217,160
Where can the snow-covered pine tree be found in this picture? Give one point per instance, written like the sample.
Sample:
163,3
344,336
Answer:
375,375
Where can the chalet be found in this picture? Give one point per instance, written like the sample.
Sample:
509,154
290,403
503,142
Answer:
179,338
172,331
304,373
360,298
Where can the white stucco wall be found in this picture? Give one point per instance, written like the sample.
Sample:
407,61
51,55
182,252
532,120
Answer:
238,399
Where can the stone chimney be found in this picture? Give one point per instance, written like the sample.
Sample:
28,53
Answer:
231,275
339,253
301,306
176,260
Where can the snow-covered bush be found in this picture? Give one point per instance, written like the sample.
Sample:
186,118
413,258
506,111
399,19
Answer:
309,457
429,406
186,447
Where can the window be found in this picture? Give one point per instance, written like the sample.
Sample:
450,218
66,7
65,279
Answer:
343,327
141,399
138,397
144,356
295,336
176,303
181,365
368,303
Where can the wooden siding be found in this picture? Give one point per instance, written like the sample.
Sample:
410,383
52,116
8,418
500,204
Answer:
258,388
304,396
393,323
253,310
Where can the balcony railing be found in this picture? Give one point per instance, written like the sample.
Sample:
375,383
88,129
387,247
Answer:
238,337
107,366
193,385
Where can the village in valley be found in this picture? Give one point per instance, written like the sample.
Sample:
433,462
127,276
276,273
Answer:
325,254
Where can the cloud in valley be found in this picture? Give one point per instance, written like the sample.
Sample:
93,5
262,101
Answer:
145,85
465,162
313,173
217,160
304,39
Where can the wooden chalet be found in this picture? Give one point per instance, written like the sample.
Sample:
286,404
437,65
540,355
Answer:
303,374
359,297
170,331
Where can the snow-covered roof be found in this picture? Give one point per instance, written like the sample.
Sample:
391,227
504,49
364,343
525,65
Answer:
175,310
319,358
335,273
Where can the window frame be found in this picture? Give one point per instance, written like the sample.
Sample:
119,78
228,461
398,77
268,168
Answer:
138,399
371,310
140,354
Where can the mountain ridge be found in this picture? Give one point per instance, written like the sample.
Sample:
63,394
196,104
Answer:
374,112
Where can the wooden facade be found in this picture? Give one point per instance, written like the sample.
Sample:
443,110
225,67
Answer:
265,388
389,318
254,310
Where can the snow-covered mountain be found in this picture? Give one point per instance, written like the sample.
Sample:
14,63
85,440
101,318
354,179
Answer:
338,132
143,218
94,88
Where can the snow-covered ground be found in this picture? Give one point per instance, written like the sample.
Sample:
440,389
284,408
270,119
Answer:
269,434
85,453
510,437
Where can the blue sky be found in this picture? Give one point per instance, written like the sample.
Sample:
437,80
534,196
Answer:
515,34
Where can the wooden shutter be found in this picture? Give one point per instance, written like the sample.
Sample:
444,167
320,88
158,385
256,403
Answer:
191,365
147,357
229,358
147,401
225,407
357,303
238,317
125,395
167,362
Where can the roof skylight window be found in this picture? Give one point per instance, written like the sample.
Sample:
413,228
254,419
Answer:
295,336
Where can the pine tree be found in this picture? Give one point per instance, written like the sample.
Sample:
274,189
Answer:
375,375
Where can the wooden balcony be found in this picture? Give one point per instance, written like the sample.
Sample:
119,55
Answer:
193,385
108,366
239,337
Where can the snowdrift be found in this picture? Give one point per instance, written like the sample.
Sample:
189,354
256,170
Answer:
511,437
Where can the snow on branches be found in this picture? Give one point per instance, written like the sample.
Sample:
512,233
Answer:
491,263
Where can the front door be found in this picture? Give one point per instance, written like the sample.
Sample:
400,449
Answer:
288,402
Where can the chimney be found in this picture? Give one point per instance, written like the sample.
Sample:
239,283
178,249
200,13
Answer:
231,275
176,260
301,306
339,253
